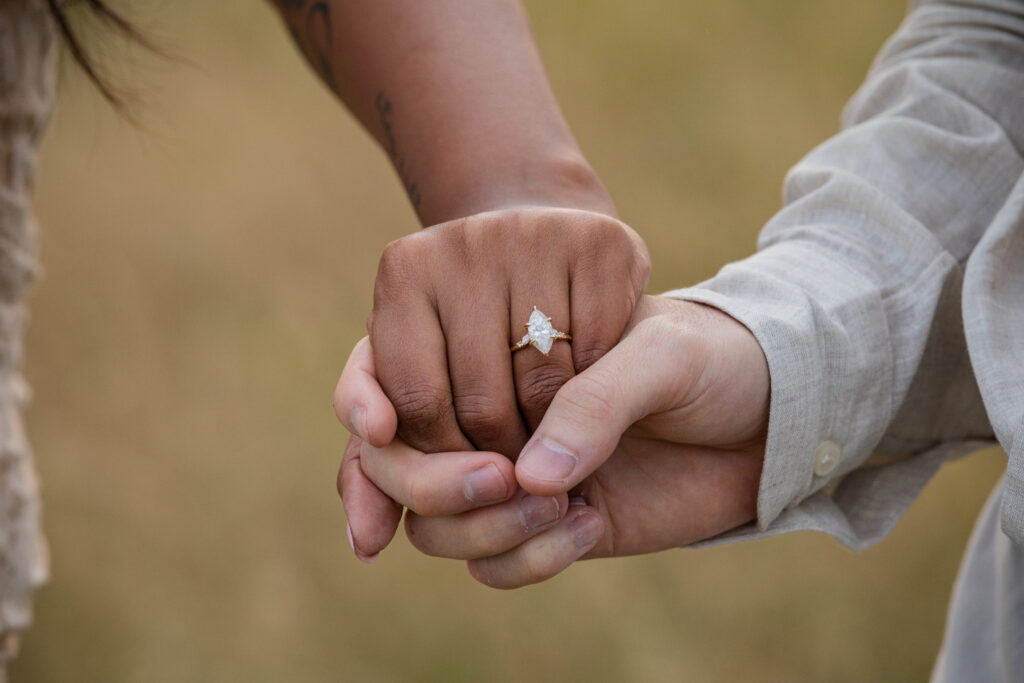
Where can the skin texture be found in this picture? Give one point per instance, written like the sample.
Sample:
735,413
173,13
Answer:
456,95
451,300
666,434
454,91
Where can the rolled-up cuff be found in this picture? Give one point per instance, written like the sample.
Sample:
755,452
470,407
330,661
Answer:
829,357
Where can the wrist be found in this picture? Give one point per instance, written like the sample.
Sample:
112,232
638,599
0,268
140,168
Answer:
556,180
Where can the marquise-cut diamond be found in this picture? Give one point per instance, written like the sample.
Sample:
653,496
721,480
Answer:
540,331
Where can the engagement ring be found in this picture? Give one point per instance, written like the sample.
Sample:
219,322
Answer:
540,334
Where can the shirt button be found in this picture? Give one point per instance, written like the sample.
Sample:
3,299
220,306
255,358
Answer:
826,458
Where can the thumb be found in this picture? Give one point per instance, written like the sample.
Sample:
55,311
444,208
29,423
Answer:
589,414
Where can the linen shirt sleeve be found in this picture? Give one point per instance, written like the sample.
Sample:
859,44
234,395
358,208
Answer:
854,294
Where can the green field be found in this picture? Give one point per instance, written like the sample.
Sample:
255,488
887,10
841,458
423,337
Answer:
207,274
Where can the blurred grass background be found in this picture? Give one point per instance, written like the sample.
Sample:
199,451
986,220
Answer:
206,277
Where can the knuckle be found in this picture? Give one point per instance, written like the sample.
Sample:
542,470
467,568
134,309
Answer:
421,408
484,419
419,500
475,226
608,241
588,352
539,384
401,263
663,333
642,265
457,227
396,255
439,540
453,238
535,566
491,233
601,233
423,403
394,276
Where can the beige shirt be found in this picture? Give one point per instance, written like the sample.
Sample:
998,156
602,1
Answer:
894,233
28,46
888,297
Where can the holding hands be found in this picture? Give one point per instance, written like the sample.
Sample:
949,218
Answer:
450,300
658,442
660,436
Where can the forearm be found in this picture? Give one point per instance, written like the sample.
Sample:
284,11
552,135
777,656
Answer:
455,93
855,295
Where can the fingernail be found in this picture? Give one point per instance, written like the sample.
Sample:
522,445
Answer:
535,512
368,559
486,485
585,530
359,421
546,460
577,500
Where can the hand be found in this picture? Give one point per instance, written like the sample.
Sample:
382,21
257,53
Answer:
663,438
450,300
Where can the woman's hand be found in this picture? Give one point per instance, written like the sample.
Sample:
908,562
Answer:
451,300
660,441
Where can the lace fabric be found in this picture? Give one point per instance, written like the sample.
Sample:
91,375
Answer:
28,47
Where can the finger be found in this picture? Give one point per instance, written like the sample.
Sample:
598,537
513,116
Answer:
544,555
487,531
538,376
606,285
589,414
372,516
483,391
411,361
436,485
359,401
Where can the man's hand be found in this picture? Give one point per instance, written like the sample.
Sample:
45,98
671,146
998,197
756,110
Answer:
449,301
660,442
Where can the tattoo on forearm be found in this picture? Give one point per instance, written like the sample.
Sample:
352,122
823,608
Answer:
391,147
310,26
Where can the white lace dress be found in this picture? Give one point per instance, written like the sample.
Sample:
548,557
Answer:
28,47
